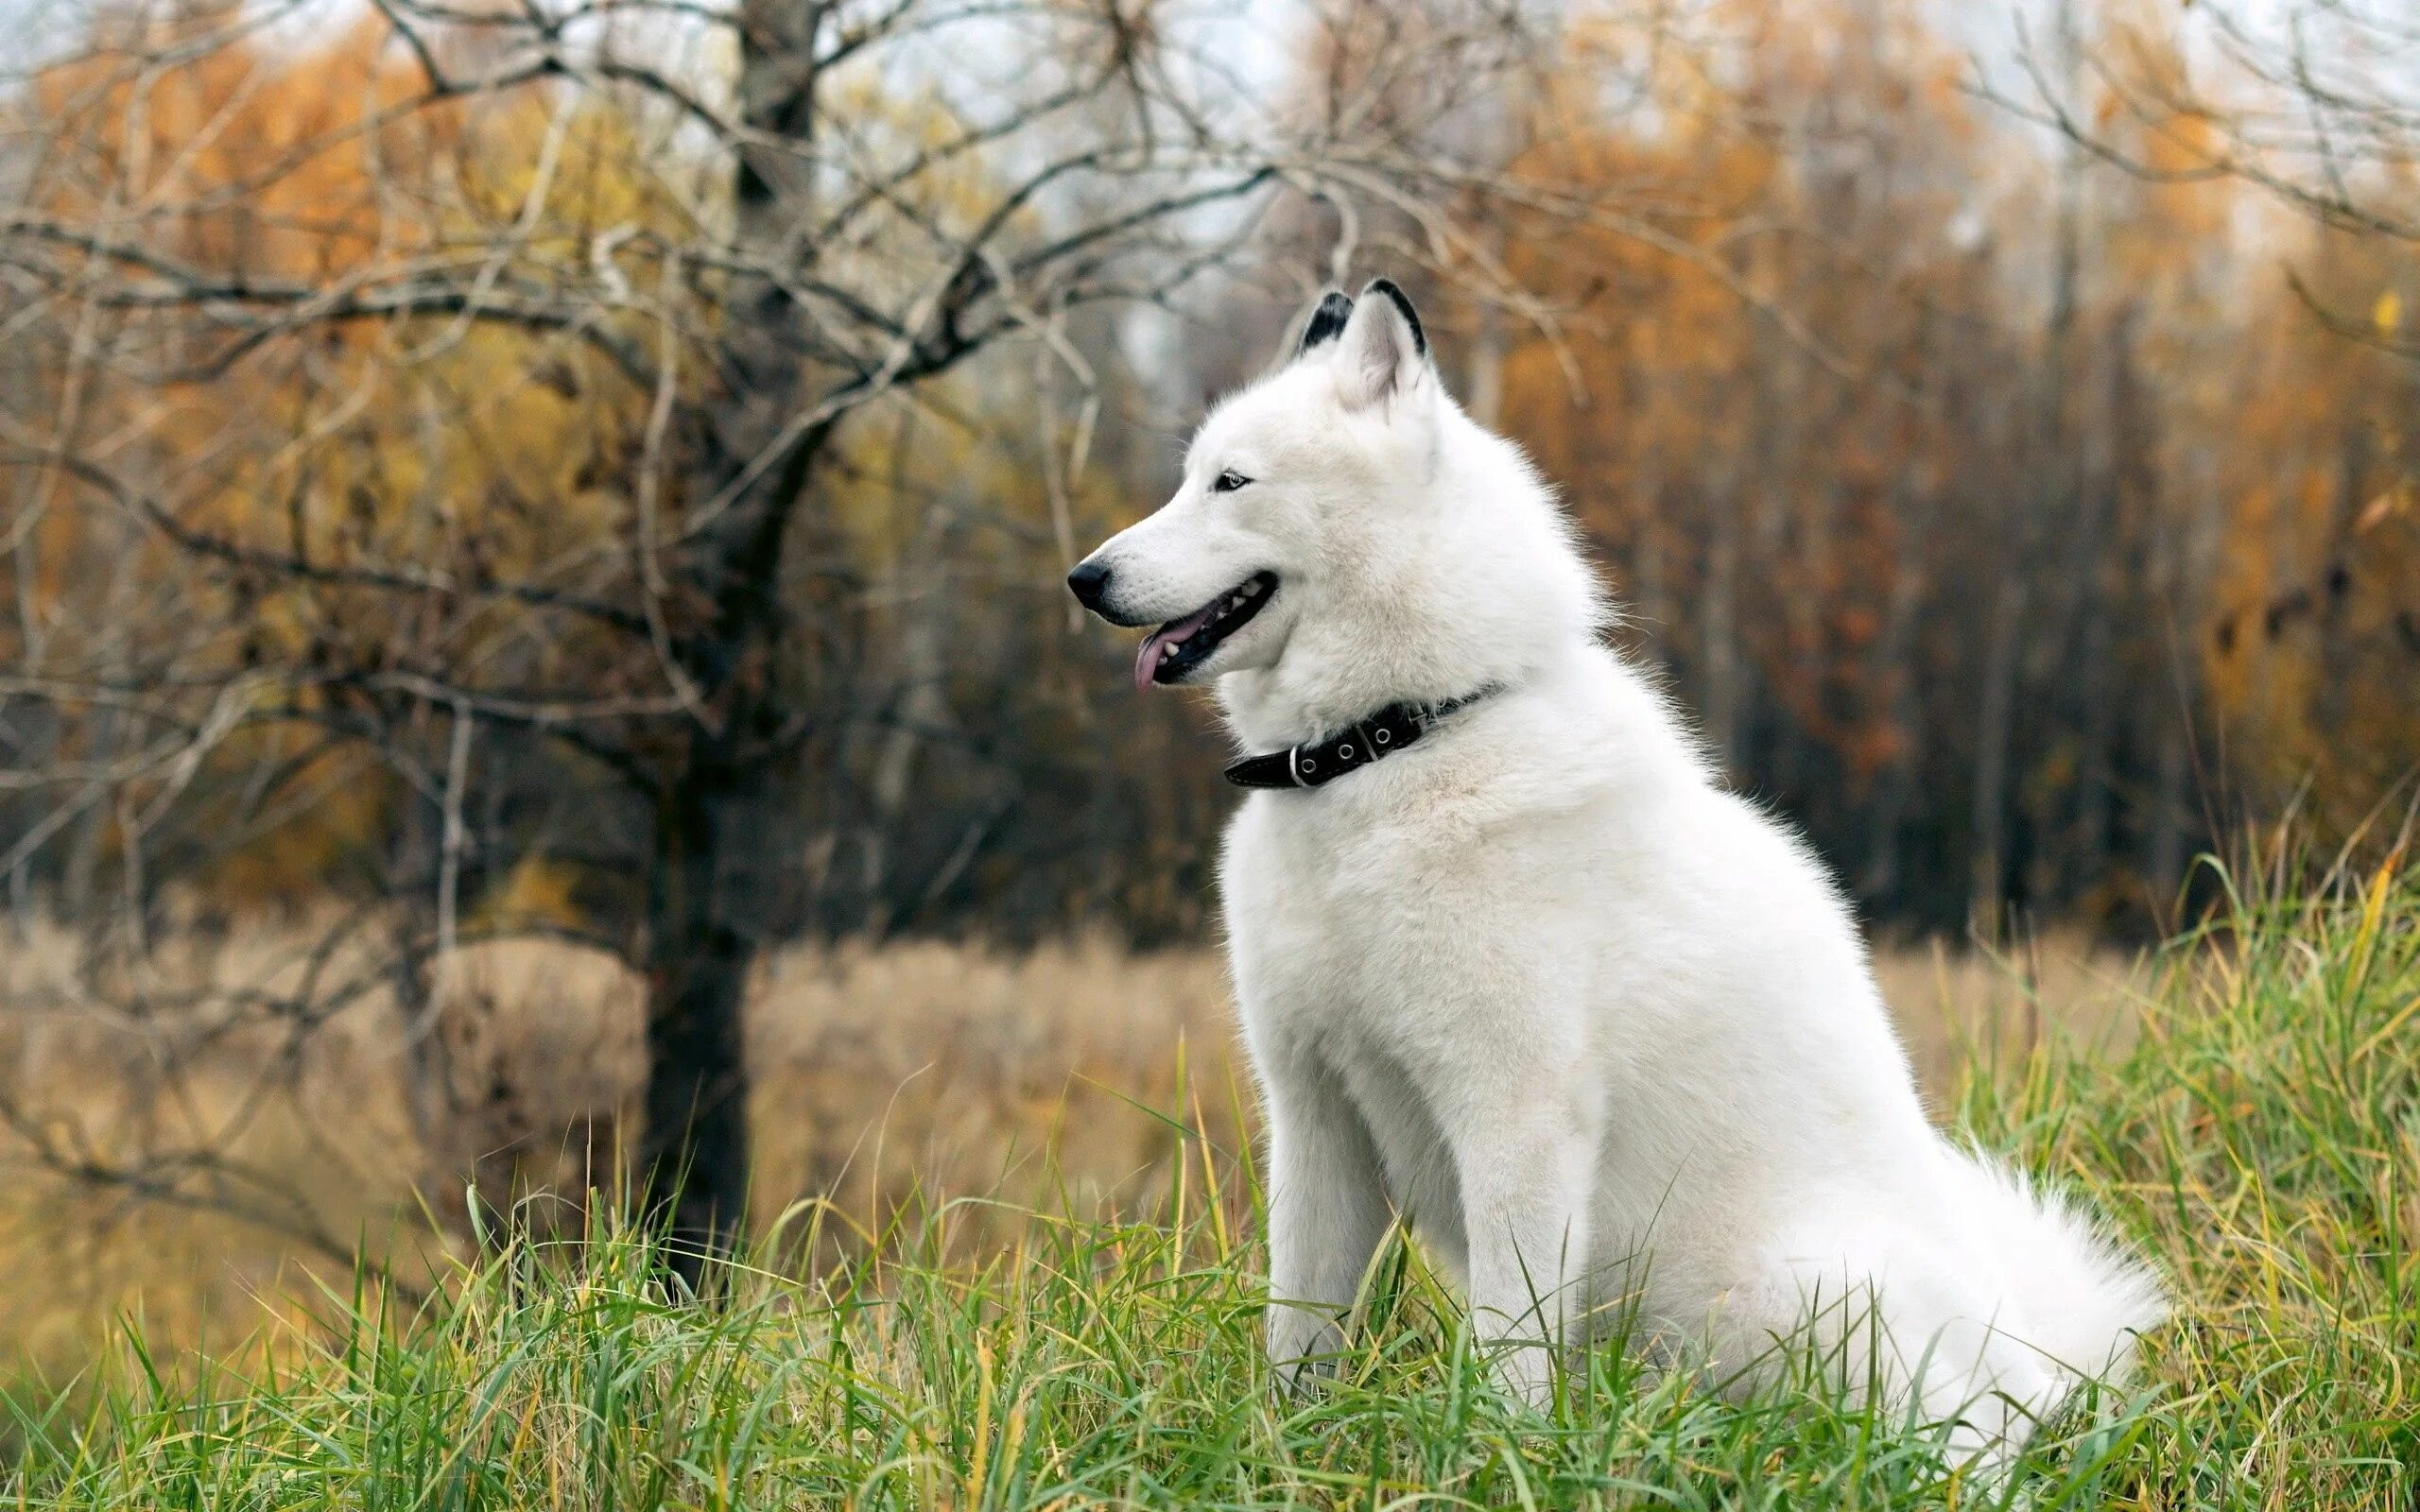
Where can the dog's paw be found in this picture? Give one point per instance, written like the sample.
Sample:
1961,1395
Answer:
1304,1344
1525,1373
1295,1379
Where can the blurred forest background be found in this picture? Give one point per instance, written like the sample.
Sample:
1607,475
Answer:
533,532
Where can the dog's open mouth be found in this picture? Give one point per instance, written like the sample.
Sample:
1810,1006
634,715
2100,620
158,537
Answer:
1180,645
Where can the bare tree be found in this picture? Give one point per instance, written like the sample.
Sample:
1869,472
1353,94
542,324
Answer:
257,341
2315,102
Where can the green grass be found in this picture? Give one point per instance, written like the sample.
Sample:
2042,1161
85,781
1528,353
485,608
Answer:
2260,1142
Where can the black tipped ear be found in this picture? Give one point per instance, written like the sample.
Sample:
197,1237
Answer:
1327,322
1383,352
1385,288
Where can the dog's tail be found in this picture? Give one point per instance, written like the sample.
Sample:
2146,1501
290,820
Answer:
2084,1300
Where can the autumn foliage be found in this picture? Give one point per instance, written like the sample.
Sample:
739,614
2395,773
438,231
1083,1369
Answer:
2015,521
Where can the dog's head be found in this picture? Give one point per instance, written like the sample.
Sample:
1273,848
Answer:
1343,530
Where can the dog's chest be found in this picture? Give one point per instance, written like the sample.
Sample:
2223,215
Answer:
1338,920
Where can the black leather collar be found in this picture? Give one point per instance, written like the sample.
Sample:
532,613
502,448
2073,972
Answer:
1375,738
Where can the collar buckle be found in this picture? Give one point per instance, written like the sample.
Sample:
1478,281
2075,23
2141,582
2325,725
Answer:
1375,738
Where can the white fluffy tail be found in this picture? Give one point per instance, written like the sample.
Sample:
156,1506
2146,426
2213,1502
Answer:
2084,1298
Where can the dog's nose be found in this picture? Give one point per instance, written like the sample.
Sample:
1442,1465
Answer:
1089,582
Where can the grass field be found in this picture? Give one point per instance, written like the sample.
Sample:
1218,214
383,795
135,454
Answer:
2257,1134
878,1073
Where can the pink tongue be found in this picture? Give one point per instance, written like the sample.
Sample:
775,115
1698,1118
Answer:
1146,660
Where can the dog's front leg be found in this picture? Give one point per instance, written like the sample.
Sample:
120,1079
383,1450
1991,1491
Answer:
1328,1211
1524,1179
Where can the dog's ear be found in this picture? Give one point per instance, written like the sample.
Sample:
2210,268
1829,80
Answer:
1382,351
1326,321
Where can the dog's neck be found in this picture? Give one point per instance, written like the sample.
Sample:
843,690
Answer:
1364,743
1270,711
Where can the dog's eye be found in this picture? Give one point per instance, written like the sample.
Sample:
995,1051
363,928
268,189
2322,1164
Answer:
1228,482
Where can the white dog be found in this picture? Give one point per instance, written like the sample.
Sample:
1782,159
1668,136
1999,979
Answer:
1512,962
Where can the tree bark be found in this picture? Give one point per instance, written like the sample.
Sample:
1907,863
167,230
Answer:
1718,627
2004,659
717,823
1893,667
719,836
702,941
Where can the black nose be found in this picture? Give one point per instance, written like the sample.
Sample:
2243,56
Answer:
1089,582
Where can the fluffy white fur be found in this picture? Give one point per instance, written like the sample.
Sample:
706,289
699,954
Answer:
1603,1031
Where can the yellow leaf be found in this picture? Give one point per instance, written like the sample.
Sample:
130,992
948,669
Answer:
2394,501
2389,314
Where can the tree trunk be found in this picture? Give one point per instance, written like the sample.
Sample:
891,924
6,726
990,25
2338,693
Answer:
2004,661
1718,631
719,839
1995,730
2090,852
703,937
1894,668
717,825
920,708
